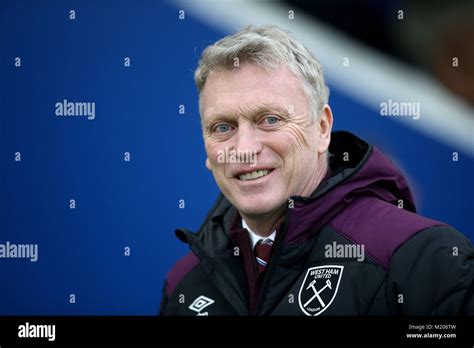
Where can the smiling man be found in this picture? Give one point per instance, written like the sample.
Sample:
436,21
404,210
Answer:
241,112
281,239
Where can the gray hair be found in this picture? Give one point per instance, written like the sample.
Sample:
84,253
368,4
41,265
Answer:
267,47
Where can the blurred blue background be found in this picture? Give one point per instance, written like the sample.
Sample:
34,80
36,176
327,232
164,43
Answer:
135,204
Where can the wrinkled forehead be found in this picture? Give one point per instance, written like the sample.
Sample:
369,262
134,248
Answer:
250,88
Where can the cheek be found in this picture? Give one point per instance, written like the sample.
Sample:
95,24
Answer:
298,137
302,134
217,168
212,151
297,147
297,142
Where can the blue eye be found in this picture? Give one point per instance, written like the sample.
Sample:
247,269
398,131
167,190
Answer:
222,128
271,119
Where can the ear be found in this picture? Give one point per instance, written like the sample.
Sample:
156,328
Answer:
325,127
208,164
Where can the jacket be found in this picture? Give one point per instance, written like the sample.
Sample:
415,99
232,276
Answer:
354,247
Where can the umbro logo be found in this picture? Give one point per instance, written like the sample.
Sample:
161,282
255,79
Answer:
200,303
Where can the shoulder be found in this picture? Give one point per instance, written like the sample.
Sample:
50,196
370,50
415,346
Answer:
181,268
380,226
437,241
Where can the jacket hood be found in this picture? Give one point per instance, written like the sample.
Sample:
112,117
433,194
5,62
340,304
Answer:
357,170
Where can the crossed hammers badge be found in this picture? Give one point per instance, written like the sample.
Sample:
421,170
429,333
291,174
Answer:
319,288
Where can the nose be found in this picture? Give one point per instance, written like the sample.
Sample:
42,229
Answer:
247,140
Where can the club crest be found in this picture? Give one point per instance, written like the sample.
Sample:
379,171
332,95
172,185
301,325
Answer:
319,288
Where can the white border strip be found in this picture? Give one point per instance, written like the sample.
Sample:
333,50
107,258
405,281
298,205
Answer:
371,77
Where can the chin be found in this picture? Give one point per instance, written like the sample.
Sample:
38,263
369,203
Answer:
258,206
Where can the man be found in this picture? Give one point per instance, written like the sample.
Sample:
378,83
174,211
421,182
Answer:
314,223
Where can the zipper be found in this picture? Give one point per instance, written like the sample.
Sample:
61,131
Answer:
209,266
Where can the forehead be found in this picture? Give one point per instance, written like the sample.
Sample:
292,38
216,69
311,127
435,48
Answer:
248,87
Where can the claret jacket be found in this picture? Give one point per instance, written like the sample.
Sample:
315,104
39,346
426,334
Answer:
411,265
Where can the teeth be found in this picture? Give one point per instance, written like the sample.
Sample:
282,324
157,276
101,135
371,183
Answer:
253,175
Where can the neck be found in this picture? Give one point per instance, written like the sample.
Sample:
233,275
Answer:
264,225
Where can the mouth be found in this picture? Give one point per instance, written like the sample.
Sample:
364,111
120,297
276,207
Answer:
254,175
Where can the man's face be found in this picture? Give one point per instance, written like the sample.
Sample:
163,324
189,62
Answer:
251,111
